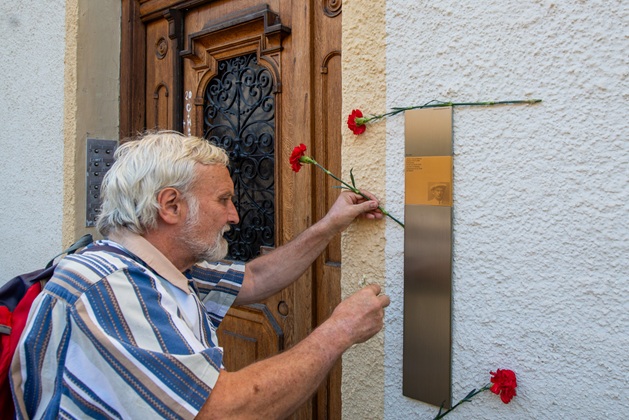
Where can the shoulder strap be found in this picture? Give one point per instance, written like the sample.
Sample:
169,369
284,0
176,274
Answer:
82,242
109,248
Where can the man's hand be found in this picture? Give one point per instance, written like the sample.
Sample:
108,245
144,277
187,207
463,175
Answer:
348,206
270,273
360,316
276,386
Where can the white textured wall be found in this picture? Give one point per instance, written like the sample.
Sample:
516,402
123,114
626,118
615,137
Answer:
31,139
541,216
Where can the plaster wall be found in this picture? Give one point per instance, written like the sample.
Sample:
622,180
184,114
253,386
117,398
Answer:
541,233
92,98
363,243
31,140
60,84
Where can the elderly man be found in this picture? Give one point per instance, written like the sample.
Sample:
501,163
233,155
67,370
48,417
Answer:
126,329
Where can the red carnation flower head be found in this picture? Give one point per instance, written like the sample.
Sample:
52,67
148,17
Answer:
504,383
356,122
298,157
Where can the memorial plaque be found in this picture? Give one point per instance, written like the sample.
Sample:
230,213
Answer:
428,256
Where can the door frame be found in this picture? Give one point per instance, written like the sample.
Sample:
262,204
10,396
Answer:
313,123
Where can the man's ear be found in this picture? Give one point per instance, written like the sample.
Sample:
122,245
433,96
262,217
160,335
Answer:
171,206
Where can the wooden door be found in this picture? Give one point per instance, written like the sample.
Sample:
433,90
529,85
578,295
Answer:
258,78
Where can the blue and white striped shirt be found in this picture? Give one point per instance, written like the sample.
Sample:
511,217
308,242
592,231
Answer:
121,336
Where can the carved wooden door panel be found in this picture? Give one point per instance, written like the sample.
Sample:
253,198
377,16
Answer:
257,78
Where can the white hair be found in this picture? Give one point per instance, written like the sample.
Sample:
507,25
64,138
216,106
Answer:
143,168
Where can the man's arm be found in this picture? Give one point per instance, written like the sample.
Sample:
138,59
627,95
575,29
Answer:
270,273
274,388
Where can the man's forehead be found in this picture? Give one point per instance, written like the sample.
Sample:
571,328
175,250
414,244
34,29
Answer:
216,176
211,170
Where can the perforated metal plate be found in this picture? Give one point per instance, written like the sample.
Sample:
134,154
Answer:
100,157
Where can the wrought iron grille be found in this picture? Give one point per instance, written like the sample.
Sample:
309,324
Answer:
239,115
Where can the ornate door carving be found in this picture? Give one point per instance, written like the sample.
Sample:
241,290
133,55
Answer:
257,78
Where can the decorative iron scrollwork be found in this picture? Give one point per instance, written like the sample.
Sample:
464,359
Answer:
239,115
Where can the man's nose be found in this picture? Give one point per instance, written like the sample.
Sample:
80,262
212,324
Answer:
233,214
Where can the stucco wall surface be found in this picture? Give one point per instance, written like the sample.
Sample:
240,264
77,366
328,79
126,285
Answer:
31,116
541,226
92,96
363,242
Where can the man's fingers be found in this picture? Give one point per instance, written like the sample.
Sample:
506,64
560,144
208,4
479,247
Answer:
375,287
368,206
370,195
384,300
377,290
369,210
357,197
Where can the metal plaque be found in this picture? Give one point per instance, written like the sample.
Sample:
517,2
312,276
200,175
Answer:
428,256
100,157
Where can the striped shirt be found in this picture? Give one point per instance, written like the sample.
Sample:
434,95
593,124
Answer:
123,336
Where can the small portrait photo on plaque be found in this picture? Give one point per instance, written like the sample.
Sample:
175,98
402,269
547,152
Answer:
439,194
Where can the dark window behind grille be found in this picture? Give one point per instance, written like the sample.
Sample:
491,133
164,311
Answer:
239,115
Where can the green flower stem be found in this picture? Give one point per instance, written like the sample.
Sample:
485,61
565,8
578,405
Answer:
437,104
350,187
467,398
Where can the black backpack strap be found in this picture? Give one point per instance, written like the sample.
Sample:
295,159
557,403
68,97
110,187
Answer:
110,249
82,242
13,291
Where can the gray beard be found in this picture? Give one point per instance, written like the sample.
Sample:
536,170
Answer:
215,252
200,249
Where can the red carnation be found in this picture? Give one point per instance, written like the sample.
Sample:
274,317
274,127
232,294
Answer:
298,157
357,127
504,383
298,153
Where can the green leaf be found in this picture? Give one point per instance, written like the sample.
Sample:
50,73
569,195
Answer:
351,175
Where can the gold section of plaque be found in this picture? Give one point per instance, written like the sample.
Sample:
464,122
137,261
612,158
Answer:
428,180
